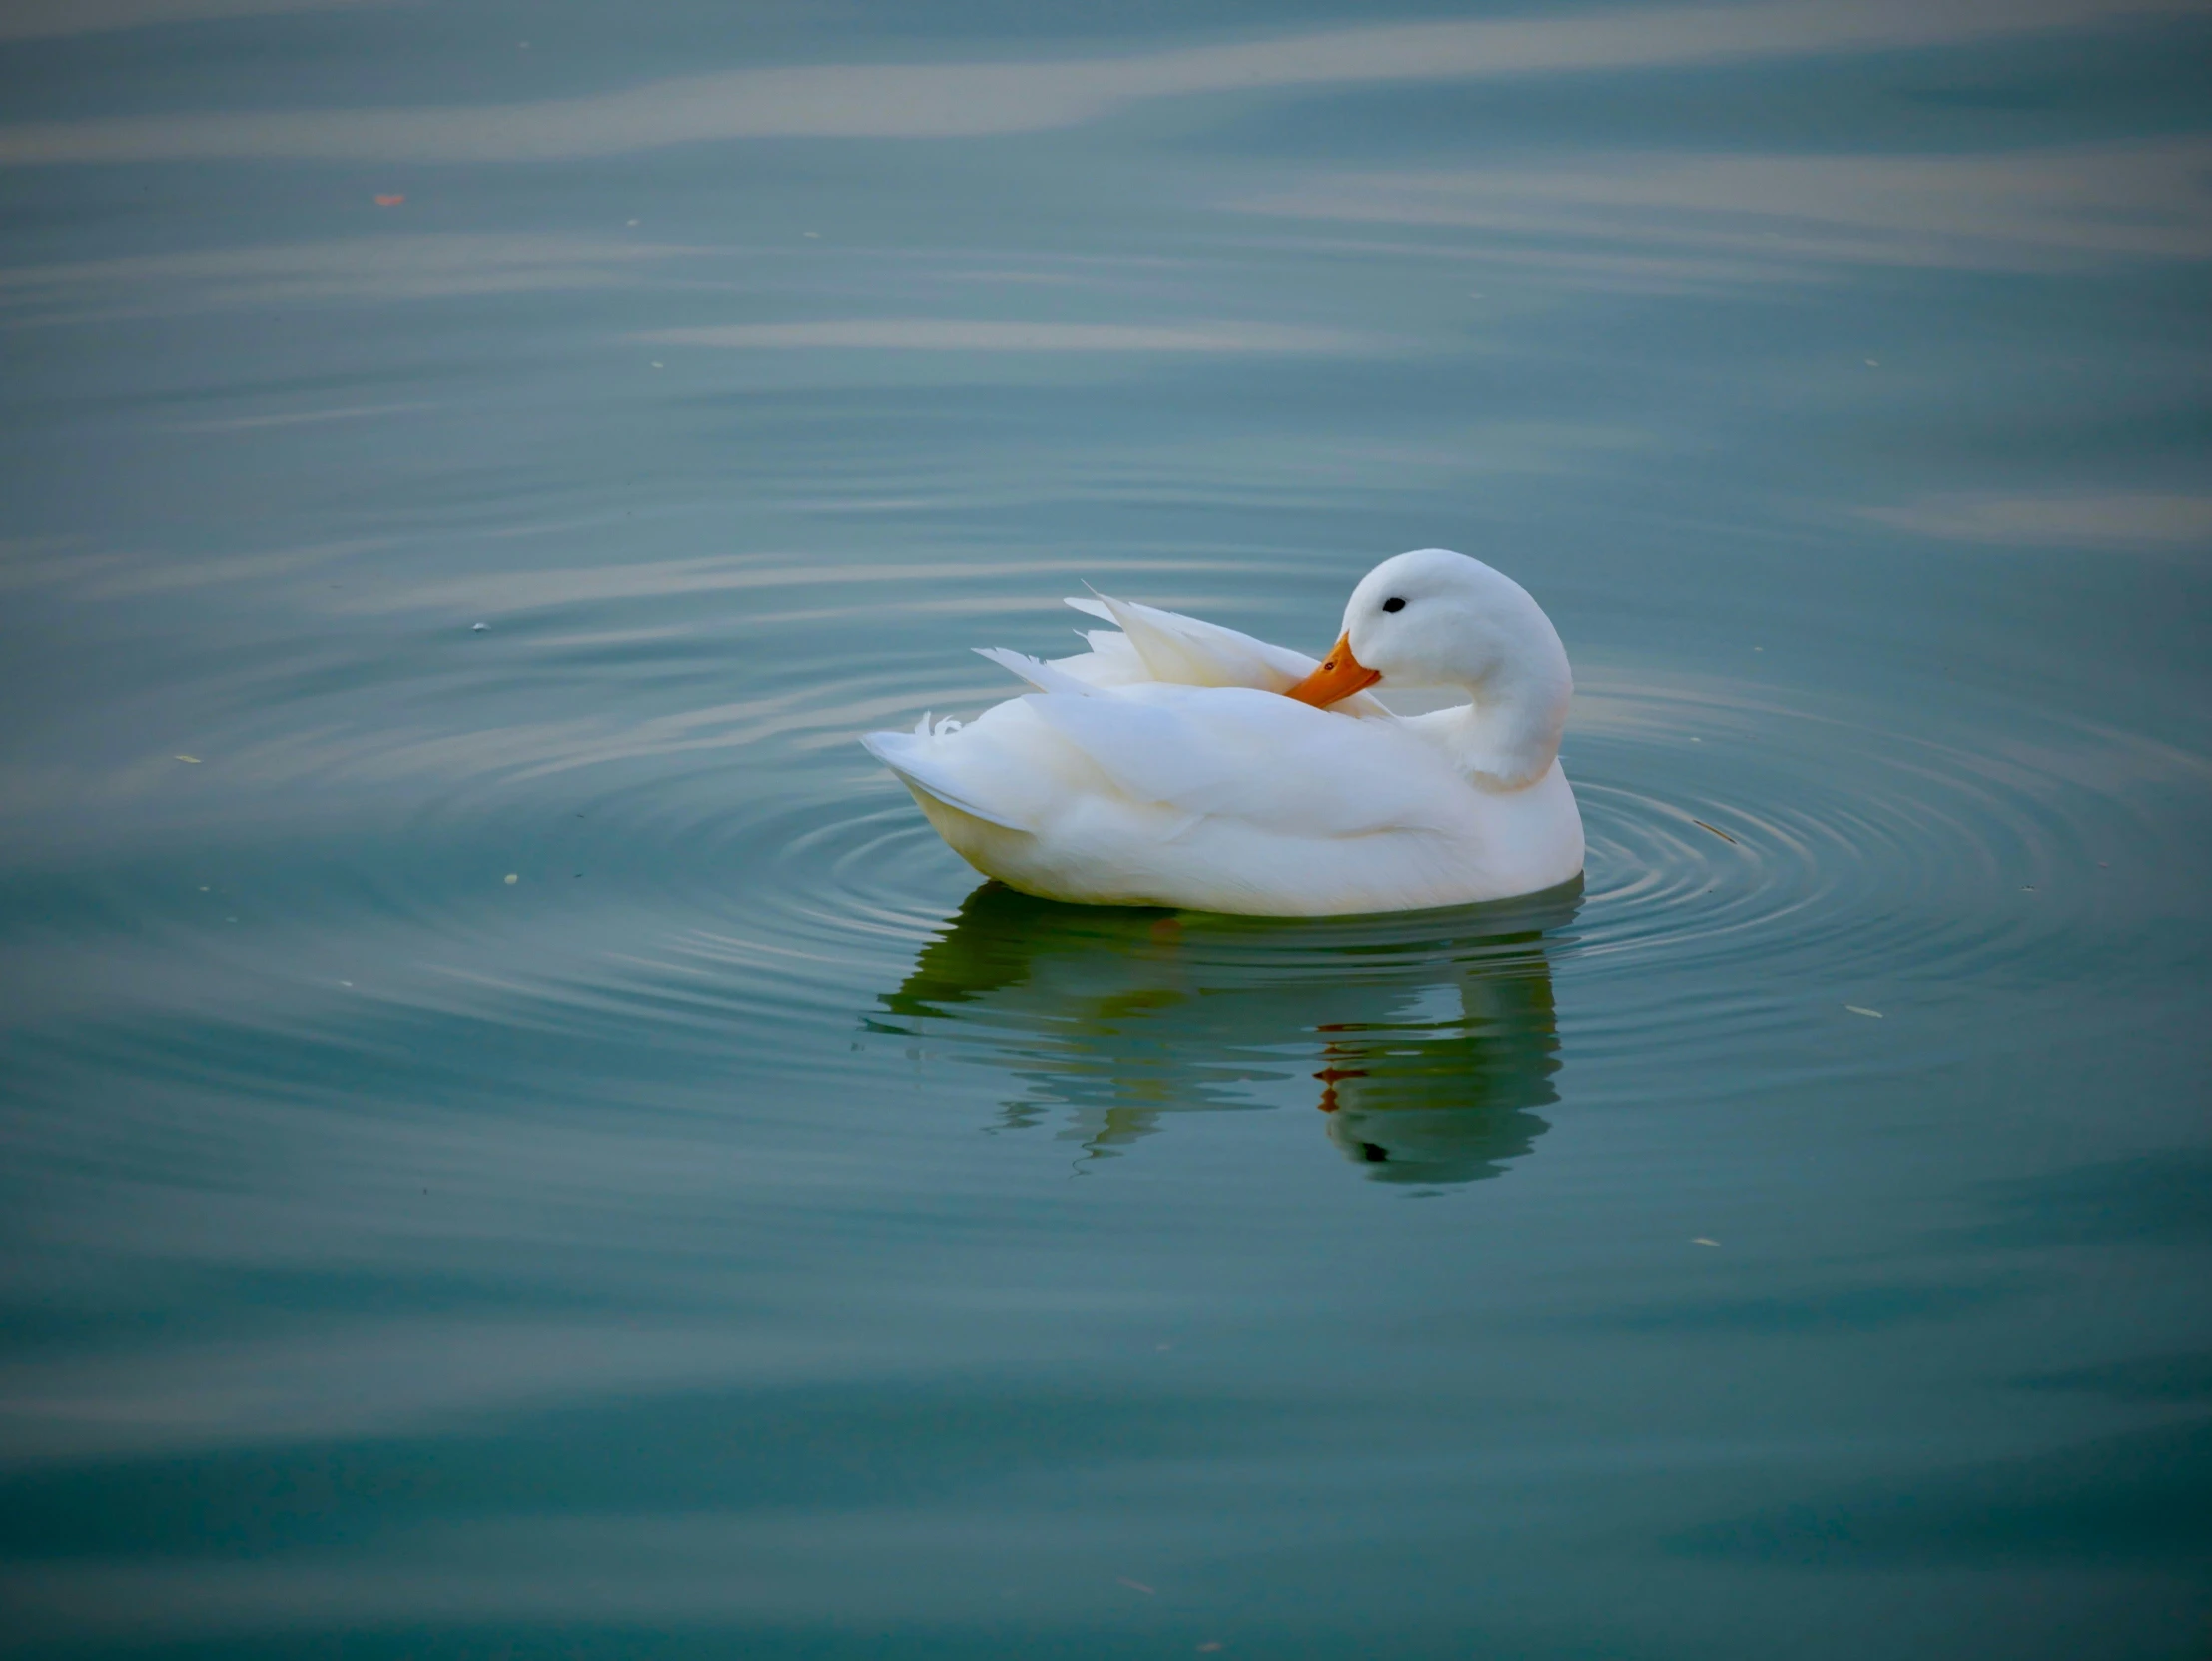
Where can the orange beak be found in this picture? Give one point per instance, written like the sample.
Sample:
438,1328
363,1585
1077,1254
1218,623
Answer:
1339,676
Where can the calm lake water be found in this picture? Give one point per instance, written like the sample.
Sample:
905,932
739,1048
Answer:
518,1140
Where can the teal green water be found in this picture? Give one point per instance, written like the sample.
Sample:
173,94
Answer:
520,1143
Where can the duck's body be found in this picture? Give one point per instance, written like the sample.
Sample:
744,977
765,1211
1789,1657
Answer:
1182,764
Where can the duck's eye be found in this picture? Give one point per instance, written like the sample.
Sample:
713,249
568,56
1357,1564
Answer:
1394,603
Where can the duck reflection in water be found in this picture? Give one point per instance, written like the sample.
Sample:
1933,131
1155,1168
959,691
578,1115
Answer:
1429,1038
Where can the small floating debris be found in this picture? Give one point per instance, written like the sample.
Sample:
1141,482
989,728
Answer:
1700,1239
389,201
194,760
479,628
514,878
1856,1008
1715,829
1137,1587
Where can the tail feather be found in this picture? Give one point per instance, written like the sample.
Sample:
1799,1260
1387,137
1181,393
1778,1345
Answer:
905,754
1045,677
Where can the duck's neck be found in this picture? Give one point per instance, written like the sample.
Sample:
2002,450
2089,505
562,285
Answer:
1506,736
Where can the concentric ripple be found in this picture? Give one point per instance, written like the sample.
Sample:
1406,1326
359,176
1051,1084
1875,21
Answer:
713,862
1790,838
1754,854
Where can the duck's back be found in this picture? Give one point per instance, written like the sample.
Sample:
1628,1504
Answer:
1228,799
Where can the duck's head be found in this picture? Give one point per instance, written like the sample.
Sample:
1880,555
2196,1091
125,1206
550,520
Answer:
1438,618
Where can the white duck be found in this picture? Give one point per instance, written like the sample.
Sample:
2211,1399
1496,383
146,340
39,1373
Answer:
1178,763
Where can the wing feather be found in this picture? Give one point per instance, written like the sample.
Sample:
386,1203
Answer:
1188,651
1240,754
1045,677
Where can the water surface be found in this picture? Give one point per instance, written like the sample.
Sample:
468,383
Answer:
519,1141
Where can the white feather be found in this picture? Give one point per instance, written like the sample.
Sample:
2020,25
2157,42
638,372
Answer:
1045,677
1163,767
1157,646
